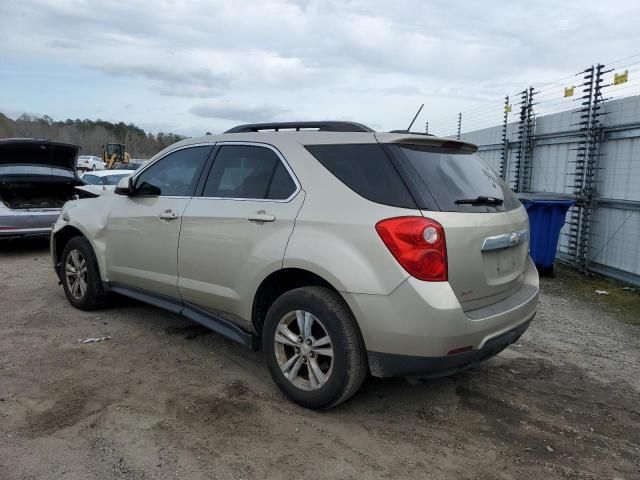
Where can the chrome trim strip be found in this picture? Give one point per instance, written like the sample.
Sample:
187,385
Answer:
505,240
271,200
213,144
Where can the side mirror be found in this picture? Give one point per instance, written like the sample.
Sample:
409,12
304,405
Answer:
125,187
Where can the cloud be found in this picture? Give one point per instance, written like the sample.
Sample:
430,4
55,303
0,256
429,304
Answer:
239,111
174,80
258,59
63,44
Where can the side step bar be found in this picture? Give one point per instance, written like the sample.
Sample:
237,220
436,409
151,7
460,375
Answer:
192,312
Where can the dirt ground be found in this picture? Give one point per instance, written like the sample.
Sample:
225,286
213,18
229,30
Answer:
164,399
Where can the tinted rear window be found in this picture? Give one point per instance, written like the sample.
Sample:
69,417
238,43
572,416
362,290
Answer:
449,176
365,169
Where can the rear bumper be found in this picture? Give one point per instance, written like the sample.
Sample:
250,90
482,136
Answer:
21,223
421,323
391,365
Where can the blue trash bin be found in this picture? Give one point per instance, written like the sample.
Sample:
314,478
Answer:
547,213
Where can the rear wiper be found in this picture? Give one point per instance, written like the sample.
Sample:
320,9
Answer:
480,200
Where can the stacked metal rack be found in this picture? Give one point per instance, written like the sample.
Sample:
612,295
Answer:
526,127
504,153
586,165
555,141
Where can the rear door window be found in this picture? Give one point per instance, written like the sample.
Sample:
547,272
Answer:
282,185
365,169
248,172
454,179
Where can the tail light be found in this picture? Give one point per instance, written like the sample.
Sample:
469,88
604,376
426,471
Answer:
418,244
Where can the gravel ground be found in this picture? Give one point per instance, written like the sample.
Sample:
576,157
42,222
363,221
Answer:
165,399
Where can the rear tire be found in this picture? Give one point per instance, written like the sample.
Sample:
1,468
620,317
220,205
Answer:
80,275
311,334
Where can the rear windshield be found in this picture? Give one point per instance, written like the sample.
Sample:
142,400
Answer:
412,176
454,181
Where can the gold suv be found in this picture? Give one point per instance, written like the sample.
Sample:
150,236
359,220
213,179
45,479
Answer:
338,250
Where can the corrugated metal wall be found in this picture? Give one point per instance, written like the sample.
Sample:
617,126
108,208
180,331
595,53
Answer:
614,248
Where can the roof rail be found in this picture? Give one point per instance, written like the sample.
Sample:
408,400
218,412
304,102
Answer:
331,126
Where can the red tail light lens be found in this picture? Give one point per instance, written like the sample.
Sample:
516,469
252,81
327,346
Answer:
418,244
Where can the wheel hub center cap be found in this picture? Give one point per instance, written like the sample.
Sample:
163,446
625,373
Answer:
305,349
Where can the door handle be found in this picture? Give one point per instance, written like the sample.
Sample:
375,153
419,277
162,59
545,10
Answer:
168,215
261,216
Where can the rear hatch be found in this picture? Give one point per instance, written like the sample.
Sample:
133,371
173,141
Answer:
22,151
37,174
486,227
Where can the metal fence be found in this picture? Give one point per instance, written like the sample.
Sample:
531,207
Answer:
578,136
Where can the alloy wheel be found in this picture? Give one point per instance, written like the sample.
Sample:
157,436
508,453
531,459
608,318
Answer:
75,269
303,350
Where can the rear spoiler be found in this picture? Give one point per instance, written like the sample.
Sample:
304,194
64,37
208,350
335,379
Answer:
428,141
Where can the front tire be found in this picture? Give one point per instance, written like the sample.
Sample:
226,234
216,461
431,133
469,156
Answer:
313,347
80,275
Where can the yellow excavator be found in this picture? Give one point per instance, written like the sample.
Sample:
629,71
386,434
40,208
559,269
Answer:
114,155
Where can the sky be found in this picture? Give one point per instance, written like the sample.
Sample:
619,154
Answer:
206,65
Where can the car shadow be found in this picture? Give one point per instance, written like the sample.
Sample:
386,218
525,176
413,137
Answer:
19,245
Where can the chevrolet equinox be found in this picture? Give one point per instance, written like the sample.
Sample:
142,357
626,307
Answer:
337,250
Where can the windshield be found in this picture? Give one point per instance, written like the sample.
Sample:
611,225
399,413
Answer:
456,181
133,165
104,180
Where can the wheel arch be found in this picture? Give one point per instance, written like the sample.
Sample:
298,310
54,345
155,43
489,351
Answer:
61,237
279,282
60,240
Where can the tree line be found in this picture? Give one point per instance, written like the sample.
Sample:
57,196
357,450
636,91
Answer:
91,135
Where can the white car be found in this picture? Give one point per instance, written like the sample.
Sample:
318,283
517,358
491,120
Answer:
136,163
90,162
100,181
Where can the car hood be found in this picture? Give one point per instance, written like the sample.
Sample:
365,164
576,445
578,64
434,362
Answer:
38,152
